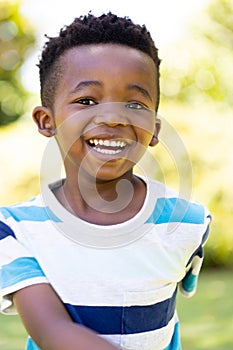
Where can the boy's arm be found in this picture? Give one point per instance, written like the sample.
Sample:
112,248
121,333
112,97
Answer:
49,324
188,284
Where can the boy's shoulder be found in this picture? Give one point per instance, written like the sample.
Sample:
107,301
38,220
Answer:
161,190
172,206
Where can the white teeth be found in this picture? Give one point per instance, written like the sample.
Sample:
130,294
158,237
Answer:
107,143
114,144
107,151
100,145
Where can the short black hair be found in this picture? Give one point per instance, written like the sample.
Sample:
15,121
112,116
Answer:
89,29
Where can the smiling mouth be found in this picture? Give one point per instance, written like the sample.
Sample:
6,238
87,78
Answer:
107,146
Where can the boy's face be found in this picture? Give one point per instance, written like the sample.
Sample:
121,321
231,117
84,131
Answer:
104,109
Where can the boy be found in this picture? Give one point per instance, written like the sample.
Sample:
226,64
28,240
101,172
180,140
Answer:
95,260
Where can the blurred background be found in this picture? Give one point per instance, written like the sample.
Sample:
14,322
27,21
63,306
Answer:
195,41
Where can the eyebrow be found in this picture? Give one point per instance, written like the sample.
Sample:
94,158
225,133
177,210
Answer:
140,89
86,83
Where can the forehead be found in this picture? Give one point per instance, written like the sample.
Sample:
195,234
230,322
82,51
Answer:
108,60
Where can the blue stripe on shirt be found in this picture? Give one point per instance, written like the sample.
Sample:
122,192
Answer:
31,345
176,210
175,343
121,319
189,282
19,270
29,213
5,231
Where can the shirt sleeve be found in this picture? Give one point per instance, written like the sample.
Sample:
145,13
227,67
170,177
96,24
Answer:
188,284
18,268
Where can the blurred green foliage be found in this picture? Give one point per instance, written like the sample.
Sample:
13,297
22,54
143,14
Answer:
196,78
16,40
207,144
199,68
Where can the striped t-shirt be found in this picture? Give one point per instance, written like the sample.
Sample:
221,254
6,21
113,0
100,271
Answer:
119,280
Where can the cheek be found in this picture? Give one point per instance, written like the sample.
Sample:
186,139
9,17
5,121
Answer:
143,122
69,132
141,146
145,134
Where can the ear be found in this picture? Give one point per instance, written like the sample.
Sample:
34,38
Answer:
154,141
44,119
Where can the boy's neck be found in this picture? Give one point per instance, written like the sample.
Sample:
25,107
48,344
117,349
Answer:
101,203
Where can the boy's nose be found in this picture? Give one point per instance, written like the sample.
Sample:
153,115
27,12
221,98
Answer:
111,114
111,121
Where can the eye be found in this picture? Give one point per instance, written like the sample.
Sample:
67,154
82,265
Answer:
86,101
135,105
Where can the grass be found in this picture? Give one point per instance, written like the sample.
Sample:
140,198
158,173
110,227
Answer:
206,319
12,334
